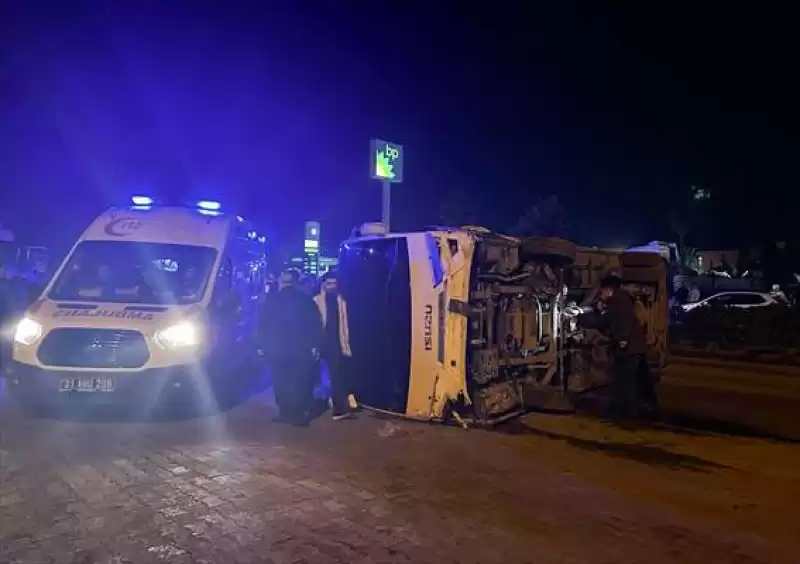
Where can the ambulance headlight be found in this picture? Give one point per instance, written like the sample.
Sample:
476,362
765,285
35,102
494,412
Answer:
182,335
27,331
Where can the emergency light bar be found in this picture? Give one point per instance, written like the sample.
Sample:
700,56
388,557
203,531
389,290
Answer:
142,200
208,205
203,207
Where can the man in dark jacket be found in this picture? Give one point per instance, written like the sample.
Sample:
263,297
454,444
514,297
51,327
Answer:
291,332
632,389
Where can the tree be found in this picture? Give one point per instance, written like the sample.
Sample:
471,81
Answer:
690,258
691,217
546,218
679,227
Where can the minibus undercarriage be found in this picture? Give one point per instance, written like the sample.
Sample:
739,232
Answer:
526,348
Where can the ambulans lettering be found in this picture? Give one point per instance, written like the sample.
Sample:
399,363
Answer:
105,313
427,331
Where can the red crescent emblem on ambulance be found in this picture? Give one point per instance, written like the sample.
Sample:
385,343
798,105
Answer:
122,226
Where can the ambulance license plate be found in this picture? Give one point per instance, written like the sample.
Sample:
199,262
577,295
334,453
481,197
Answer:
87,384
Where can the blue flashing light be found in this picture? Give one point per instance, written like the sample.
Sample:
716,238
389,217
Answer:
142,200
212,213
239,218
141,208
208,205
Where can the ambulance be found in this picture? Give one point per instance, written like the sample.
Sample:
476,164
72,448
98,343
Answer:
153,303
471,326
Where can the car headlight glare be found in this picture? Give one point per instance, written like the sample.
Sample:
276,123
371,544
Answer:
27,331
182,335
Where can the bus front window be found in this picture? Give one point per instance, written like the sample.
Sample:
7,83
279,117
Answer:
374,277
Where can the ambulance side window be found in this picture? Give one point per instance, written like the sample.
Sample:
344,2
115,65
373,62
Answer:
257,282
222,287
224,274
250,280
248,277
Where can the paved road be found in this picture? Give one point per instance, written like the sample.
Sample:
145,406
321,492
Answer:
737,394
238,488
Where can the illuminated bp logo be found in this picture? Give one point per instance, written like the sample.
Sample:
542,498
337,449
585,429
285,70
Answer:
386,161
383,164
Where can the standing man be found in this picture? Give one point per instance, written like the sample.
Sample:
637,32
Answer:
336,345
291,332
632,389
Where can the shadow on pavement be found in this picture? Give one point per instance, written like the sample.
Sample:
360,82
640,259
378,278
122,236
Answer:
673,421
646,454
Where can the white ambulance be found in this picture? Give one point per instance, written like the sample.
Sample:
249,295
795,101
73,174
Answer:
151,303
475,326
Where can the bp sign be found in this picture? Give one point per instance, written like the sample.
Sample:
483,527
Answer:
386,161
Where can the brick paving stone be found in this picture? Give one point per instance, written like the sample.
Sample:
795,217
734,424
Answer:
237,488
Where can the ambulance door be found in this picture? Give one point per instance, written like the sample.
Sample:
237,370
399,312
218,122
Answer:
225,313
248,286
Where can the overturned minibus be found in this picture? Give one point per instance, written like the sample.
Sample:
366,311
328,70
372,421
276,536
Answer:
479,327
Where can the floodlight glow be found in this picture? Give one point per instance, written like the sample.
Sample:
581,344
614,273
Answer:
208,205
142,200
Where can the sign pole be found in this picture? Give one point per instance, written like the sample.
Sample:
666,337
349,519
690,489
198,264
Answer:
387,204
386,164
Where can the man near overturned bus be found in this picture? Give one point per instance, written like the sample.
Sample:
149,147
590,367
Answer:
336,345
290,332
632,389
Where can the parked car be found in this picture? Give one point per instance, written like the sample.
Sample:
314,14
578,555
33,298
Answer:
743,300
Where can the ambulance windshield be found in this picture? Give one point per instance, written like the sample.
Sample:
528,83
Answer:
137,273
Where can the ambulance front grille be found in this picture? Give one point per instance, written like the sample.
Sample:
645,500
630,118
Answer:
94,348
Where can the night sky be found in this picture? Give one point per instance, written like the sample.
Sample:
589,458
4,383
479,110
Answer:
270,106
